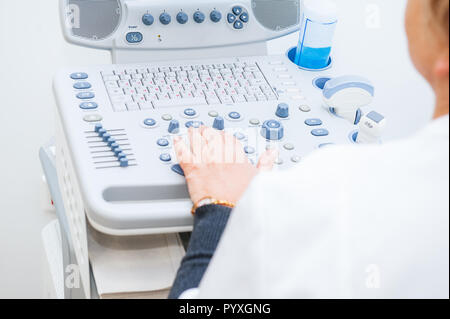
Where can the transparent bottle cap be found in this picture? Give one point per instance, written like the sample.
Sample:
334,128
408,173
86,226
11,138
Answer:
322,11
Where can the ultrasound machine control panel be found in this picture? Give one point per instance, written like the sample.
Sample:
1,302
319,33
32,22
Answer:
117,122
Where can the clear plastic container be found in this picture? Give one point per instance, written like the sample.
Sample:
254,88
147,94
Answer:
316,34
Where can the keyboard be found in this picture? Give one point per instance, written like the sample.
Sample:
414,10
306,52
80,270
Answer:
116,125
133,89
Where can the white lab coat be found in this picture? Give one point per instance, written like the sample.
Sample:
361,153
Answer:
348,222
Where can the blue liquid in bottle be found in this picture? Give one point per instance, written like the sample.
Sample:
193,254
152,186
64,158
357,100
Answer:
316,34
314,58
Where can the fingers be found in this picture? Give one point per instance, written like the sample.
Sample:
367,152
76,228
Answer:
267,160
214,152
238,150
197,144
212,136
184,154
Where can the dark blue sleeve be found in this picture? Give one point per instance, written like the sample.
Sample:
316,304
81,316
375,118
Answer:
209,224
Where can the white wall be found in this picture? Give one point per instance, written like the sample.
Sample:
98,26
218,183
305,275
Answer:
32,49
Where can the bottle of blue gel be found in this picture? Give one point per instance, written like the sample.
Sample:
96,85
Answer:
316,34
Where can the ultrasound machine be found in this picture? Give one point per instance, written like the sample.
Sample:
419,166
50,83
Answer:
180,64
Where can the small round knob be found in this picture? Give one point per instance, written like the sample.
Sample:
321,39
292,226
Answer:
272,130
219,123
282,110
174,127
148,19
165,18
182,18
215,16
199,17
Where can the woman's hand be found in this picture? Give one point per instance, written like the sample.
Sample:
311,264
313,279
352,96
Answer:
216,166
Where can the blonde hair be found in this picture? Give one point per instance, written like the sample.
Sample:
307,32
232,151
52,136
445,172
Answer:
440,15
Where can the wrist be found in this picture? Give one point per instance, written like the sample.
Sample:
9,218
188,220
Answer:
211,201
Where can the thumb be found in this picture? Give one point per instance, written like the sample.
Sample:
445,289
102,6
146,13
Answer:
267,160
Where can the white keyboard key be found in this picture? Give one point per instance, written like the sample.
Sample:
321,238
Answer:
111,78
125,77
187,94
248,75
133,107
115,91
160,82
175,96
177,87
137,76
129,91
148,82
139,98
120,107
142,90
276,62
111,84
124,84
213,101
271,97
146,105
136,83
180,102
107,73
117,99
163,96
250,98
226,99
198,93
166,89
260,97
151,97
239,98
251,69
256,82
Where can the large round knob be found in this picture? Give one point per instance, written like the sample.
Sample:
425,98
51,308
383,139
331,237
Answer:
272,130
165,18
215,16
147,19
199,17
282,110
174,127
182,18
219,123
